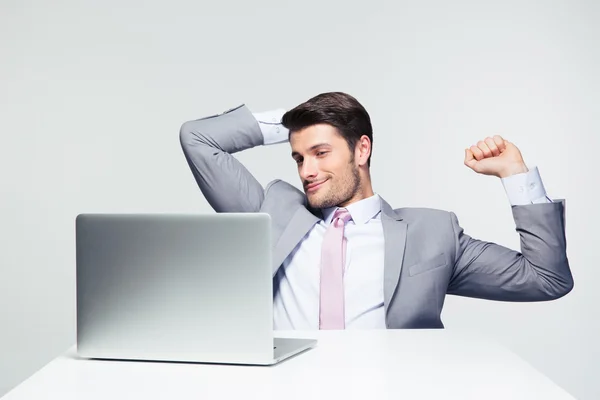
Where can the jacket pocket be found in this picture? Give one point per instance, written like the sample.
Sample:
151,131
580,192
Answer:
428,265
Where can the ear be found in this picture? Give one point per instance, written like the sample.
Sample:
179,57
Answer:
362,150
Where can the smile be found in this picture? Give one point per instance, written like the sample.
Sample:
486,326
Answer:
313,187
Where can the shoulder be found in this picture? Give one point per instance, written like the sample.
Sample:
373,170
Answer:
429,224
425,216
279,193
421,212
281,187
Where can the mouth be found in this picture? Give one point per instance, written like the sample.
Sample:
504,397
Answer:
313,187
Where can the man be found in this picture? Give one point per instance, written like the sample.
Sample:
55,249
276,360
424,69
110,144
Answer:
343,258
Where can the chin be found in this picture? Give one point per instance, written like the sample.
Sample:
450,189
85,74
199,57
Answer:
319,202
313,200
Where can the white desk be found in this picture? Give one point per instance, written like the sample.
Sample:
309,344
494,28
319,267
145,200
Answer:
379,364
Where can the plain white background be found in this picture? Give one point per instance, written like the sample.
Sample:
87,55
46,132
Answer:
92,95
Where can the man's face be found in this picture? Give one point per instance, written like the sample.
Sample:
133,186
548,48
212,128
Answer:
325,164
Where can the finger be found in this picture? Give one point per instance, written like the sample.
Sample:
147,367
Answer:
470,160
477,153
492,145
484,148
499,140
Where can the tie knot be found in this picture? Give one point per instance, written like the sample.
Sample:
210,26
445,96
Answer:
341,216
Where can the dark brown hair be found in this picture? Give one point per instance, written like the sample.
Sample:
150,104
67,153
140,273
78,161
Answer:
338,109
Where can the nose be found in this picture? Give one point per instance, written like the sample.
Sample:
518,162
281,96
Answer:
308,170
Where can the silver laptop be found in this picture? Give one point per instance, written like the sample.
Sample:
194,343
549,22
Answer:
174,287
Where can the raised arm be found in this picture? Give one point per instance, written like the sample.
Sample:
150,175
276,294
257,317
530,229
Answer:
208,144
539,272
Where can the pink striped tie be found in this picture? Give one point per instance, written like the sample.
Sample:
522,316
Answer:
333,259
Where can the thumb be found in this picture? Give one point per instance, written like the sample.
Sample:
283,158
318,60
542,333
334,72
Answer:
470,160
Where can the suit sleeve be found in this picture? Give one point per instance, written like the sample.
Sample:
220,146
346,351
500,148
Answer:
208,144
539,272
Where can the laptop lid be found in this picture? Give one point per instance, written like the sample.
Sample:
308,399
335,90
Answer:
175,287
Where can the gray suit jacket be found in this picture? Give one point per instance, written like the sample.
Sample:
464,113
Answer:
427,254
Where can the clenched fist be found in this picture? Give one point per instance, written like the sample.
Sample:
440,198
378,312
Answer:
495,156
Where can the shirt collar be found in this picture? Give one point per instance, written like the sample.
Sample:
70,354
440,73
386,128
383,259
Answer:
361,211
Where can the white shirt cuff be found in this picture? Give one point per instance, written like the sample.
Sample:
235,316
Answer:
525,188
270,125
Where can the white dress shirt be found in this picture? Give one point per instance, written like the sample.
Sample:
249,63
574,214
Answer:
296,295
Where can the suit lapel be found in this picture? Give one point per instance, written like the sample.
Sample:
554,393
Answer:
394,234
299,225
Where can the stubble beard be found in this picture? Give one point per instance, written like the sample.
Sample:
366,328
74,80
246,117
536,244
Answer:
341,190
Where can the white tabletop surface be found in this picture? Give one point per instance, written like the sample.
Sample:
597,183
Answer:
375,364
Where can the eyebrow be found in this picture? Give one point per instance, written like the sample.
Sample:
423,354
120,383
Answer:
312,148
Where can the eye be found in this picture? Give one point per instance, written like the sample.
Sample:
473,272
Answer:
321,153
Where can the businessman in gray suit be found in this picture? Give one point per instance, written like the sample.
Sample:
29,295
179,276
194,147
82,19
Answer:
343,258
